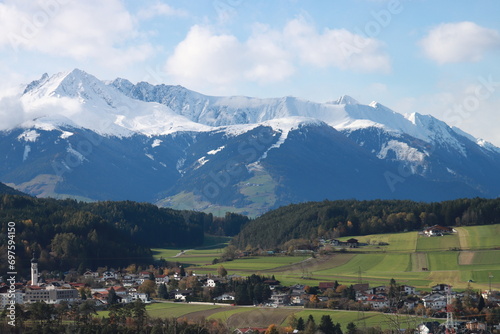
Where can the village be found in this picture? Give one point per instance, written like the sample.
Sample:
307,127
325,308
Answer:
107,287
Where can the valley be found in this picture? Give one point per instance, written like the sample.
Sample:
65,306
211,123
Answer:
402,258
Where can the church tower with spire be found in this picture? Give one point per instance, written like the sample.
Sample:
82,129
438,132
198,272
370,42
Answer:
34,271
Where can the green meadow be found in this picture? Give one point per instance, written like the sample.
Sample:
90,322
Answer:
473,253
411,258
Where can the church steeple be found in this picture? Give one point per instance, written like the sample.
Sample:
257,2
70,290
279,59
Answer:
34,271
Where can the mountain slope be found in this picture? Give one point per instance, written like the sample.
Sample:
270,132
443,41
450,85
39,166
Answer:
94,140
6,190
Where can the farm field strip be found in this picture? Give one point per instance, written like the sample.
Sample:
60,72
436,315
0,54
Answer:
403,258
482,237
419,261
259,317
443,260
175,310
466,258
463,237
444,243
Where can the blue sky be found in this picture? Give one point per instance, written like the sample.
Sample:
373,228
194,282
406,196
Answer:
433,57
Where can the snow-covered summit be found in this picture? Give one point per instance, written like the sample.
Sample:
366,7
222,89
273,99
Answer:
345,99
76,98
90,103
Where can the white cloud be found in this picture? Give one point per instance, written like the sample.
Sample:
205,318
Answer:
336,48
11,111
269,55
206,57
459,42
81,30
160,9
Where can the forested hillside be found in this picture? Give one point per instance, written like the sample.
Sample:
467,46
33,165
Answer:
68,234
350,217
4,189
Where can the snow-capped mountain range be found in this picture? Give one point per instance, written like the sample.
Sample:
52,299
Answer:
90,139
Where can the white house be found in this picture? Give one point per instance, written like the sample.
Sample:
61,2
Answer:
435,301
162,279
409,290
141,296
182,294
225,297
109,275
377,302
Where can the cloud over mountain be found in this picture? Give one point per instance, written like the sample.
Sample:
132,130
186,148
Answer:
460,42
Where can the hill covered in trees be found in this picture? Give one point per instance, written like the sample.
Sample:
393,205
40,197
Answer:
5,189
67,234
350,217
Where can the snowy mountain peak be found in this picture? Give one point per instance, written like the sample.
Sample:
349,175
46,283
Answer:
346,100
36,83
75,83
91,104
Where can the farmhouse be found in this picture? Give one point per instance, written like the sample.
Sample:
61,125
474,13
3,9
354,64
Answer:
351,243
438,230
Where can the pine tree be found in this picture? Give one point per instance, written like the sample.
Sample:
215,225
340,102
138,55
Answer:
351,328
162,291
300,324
480,303
112,297
326,325
310,326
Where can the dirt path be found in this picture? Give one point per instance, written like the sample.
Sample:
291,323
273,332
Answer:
463,237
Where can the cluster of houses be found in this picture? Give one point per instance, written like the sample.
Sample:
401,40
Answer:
375,297
56,291
126,290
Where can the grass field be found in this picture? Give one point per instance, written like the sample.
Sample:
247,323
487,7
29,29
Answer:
362,319
401,256
235,316
171,310
480,237
444,243
471,254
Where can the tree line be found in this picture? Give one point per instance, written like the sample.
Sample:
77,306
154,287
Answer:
66,234
333,219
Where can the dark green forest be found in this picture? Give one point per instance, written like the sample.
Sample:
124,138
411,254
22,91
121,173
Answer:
351,217
68,234
4,189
